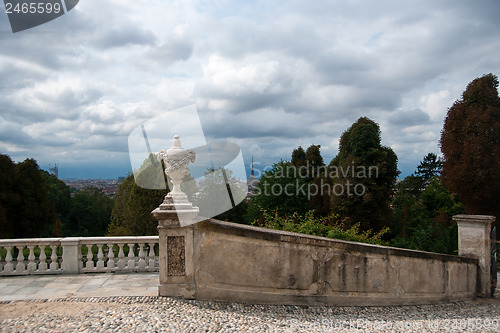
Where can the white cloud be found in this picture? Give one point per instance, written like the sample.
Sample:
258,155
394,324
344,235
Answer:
436,104
268,75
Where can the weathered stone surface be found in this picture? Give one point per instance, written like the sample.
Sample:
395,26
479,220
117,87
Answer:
474,240
233,262
176,256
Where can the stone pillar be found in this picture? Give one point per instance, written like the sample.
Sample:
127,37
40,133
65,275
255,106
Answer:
70,255
176,256
474,240
175,217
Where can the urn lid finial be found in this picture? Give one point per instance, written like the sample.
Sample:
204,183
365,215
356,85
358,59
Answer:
177,142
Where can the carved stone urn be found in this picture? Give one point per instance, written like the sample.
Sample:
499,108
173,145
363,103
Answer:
176,209
176,216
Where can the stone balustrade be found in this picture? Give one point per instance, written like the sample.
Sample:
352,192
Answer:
78,255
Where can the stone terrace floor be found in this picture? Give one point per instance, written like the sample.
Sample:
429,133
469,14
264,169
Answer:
79,285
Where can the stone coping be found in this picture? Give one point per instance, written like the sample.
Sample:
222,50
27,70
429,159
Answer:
292,237
474,218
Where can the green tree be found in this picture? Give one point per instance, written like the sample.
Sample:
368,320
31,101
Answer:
426,220
131,214
214,196
470,142
10,197
415,183
314,161
59,194
35,213
299,157
90,213
364,174
33,203
220,192
280,188
428,168
317,176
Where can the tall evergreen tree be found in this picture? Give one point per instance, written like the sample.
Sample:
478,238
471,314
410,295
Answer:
317,176
299,157
428,168
470,142
364,174
314,161
279,189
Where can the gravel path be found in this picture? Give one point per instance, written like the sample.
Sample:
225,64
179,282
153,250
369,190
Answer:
165,314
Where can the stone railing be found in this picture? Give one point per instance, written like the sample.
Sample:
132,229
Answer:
223,261
78,255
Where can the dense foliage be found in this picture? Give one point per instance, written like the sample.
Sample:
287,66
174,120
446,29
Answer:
369,170
90,213
34,203
280,187
418,209
423,221
131,214
25,209
328,226
470,142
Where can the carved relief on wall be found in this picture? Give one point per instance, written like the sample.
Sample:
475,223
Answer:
321,258
176,256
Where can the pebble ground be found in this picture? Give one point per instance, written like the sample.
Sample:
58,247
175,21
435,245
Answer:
165,314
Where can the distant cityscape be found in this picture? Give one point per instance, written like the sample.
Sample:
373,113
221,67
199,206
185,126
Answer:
108,186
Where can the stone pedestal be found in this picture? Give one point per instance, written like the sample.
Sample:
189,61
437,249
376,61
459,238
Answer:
474,240
175,218
176,249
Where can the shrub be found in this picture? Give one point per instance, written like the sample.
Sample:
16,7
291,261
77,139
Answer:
329,226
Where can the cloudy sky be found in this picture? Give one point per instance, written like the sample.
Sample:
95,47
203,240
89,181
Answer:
266,75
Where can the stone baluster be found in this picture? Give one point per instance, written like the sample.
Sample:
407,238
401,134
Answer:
121,255
131,257
90,263
110,264
80,259
31,259
53,259
9,267
20,260
142,257
151,256
100,256
42,265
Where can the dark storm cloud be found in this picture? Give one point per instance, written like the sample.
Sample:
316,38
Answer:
409,118
123,36
256,124
12,133
171,50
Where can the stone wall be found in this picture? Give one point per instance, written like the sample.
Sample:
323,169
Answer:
224,261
